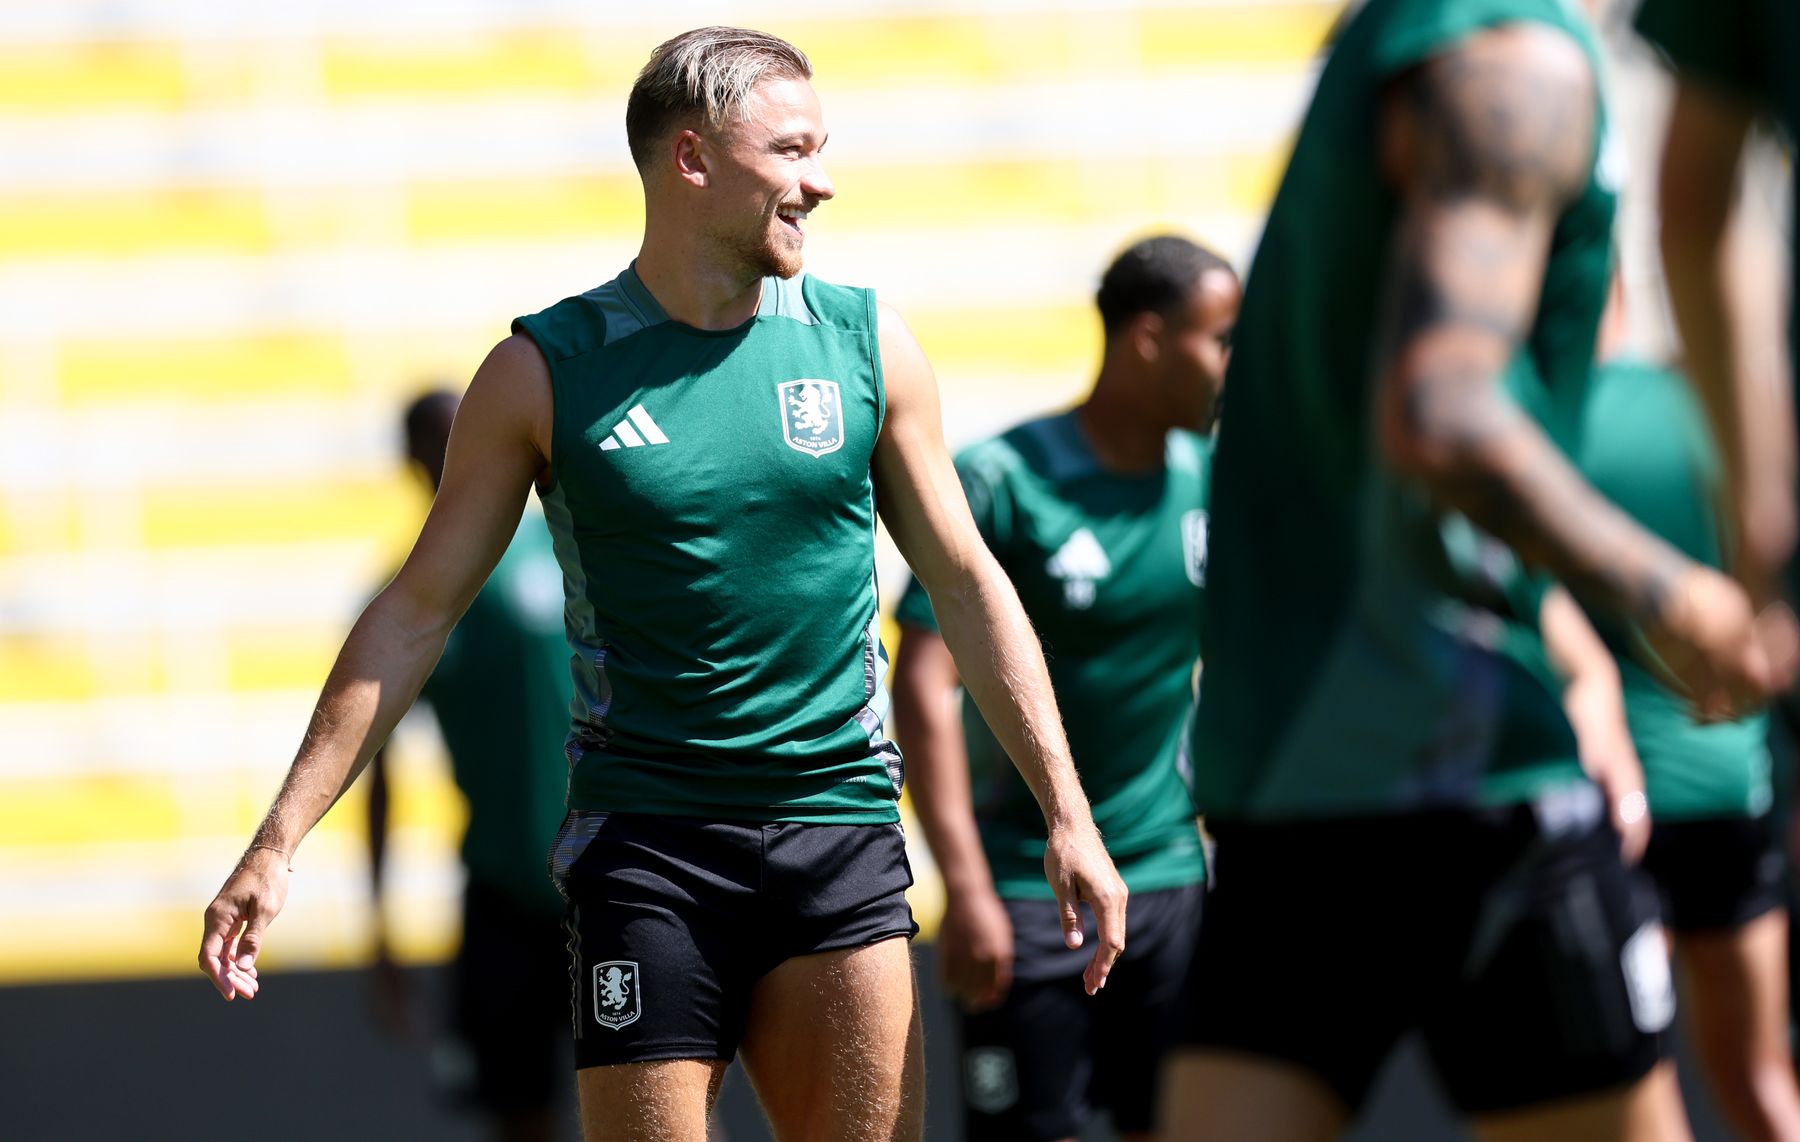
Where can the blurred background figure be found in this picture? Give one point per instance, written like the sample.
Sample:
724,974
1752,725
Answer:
500,696
1098,515
1715,852
1736,63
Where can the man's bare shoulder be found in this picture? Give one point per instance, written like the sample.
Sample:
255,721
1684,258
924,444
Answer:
899,348
512,390
518,356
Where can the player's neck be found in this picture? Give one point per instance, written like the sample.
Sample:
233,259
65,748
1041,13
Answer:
1119,435
693,288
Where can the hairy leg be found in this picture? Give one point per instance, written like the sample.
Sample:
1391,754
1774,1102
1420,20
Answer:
1734,987
1217,1096
834,1046
664,1101
1649,1110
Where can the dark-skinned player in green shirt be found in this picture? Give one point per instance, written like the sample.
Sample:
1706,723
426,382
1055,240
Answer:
1098,516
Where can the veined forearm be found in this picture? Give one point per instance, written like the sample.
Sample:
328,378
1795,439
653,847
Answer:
378,674
1002,667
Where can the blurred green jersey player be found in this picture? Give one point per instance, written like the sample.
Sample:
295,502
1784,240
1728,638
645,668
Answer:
500,696
1404,828
1713,848
1098,516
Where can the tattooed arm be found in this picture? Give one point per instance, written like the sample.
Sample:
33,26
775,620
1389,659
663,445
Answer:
1487,144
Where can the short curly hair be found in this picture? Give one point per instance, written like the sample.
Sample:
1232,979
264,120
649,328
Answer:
1155,275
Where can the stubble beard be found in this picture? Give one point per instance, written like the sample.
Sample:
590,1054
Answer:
767,255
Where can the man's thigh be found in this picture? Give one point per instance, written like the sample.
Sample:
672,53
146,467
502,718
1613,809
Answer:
834,1048
832,1040
668,1100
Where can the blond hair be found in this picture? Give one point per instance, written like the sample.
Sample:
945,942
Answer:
707,74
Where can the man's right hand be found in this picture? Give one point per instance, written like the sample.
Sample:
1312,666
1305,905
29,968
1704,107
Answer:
975,949
1080,871
237,919
1707,637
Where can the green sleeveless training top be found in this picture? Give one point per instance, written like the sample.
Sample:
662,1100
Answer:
1110,569
1644,445
1365,653
712,508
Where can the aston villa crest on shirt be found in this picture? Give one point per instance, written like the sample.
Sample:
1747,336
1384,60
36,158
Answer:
616,993
812,416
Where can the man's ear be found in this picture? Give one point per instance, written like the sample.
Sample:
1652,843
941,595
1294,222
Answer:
689,152
1146,334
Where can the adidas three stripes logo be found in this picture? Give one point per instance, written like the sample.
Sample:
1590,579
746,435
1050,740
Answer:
626,436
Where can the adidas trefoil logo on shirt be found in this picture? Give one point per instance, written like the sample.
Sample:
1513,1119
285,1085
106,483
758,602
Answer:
1079,563
625,436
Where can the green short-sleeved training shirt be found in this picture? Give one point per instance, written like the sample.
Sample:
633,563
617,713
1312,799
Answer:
714,516
1110,569
1363,653
1644,445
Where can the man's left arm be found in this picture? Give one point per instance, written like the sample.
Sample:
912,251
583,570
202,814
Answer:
995,649
1594,702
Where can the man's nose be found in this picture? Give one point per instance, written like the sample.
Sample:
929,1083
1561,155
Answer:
817,183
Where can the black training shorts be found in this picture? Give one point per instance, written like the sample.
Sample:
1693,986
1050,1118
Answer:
1716,873
672,920
1515,939
1041,1064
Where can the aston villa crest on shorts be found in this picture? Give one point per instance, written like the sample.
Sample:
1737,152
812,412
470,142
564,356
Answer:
1193,545
616,993
812,416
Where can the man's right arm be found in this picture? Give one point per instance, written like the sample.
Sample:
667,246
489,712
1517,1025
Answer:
1486,144
975,944
498,447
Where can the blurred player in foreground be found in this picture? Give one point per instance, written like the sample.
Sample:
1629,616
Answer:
1098,516
1714,852
710,433
500,695
1406,836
